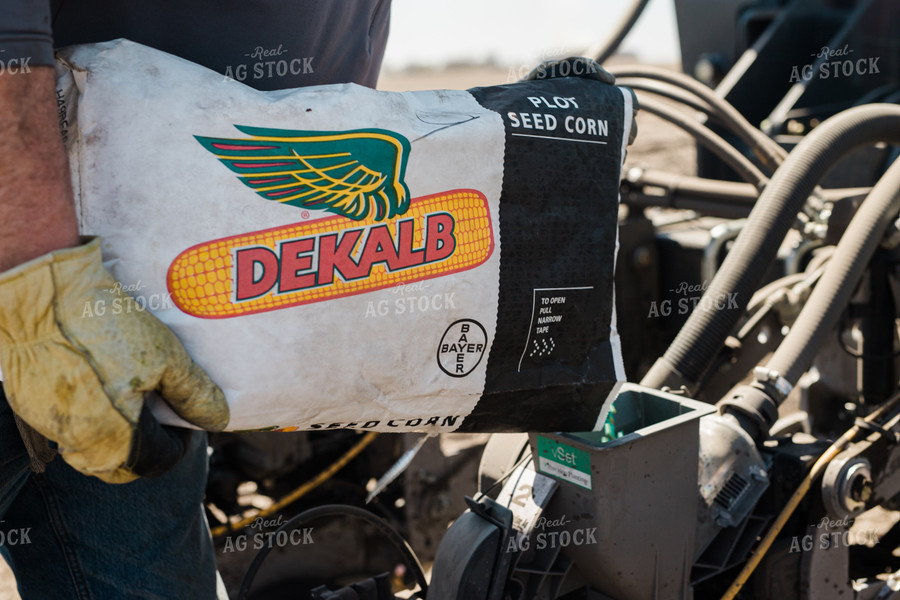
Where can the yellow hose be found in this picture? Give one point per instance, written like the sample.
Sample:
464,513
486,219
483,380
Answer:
817,469
303,489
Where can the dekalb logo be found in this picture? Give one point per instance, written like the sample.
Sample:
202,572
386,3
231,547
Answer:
350,173
377,237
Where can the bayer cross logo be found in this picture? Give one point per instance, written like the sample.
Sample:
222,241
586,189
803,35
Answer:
461,348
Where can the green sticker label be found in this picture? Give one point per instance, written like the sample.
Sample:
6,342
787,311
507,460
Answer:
565,462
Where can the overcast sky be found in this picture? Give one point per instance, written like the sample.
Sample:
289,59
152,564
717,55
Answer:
514,32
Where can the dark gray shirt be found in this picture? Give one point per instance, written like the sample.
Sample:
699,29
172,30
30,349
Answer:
267,44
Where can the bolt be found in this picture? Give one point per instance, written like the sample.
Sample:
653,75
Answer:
861,489
711,68
757,473
795,127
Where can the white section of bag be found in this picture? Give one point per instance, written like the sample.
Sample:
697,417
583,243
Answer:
145,185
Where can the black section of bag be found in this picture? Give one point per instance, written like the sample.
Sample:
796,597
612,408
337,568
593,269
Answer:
552,365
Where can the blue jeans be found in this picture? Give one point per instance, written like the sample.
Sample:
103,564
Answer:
70,536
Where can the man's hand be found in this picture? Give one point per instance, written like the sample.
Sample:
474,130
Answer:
79,379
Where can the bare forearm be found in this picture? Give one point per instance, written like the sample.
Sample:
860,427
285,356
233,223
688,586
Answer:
37,212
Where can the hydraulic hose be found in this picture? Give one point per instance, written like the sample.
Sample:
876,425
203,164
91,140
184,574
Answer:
671,92
699,341
710,189
710,197
711,140
608,48
729,192
708,208
765,148
845,269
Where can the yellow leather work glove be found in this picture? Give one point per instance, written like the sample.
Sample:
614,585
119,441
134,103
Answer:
80,380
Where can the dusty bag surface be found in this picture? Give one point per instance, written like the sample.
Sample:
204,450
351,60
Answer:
337,257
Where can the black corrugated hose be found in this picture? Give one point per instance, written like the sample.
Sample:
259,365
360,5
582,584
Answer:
699,341
848,264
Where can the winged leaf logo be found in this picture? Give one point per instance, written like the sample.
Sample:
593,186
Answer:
357,174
